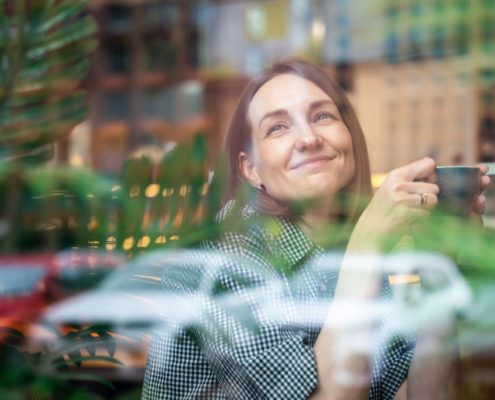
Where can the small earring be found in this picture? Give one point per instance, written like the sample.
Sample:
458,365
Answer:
261,187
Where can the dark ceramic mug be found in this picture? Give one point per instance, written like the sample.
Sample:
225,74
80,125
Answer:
459,187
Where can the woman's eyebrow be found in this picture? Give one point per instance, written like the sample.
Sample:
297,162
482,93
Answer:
276,113
283,113
319,103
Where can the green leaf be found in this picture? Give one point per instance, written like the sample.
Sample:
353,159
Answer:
43,112
28,141
45,49
62,12
65,58
68,35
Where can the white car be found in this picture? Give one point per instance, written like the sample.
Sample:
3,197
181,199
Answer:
112,325
108,329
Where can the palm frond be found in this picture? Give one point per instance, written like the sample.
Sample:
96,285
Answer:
45,47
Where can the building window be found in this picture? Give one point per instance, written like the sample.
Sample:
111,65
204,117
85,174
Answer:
116,105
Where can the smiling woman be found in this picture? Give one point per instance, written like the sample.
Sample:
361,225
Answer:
291,117
295,146
303,149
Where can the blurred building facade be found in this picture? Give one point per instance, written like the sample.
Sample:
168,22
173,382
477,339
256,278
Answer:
420,72
423,77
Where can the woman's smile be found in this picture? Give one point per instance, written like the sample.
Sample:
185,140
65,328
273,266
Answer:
312,163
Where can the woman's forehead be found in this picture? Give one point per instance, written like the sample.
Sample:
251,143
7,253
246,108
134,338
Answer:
284,92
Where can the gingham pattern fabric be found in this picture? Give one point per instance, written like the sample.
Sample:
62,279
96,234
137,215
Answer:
238,350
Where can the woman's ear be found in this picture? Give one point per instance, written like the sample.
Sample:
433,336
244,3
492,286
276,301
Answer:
248,169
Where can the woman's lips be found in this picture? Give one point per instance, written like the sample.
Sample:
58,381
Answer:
313,161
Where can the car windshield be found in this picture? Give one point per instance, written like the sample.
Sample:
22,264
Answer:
73,280
19,279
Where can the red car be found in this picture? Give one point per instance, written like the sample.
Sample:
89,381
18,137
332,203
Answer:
30,282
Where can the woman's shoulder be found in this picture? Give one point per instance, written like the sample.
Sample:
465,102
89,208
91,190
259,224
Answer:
240,230
244,225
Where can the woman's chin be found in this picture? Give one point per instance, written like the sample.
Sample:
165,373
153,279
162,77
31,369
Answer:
319,192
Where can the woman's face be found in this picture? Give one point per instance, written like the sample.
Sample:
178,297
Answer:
301,147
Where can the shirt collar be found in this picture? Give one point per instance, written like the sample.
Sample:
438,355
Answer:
287,243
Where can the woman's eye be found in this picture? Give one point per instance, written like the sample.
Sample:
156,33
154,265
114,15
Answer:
275,128
322,115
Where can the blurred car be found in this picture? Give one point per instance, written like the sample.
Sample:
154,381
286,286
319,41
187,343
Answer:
82,269
111,326
24,280
124,310
477,340
30,282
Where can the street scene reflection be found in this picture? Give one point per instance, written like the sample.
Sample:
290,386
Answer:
282,199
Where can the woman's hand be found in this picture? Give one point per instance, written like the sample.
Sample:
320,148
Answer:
403,198
406,195
480,203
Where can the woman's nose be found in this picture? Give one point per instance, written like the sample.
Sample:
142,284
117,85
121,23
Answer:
308,138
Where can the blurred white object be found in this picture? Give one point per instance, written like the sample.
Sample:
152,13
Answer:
132,302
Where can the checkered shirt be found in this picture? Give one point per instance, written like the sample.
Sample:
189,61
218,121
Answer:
235,349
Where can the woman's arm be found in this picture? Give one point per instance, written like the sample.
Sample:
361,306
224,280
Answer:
343,371
402,392
433,372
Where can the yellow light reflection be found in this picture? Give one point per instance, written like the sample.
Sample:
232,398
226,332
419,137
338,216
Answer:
408,279
318,30
144,241
199,213
111,243
93,224
179,218
184,190
76,160
128,243
377,180
167,192
152,190
161,239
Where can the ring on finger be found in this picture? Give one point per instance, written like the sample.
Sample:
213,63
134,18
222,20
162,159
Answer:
423,199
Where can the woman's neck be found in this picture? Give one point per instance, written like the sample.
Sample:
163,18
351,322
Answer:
315,221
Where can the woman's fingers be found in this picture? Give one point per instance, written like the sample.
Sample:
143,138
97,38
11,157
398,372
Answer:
423,200
419,169
416,194
484,182
412,190
418,187
479,205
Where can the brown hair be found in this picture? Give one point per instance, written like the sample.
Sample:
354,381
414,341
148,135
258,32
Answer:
239,139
